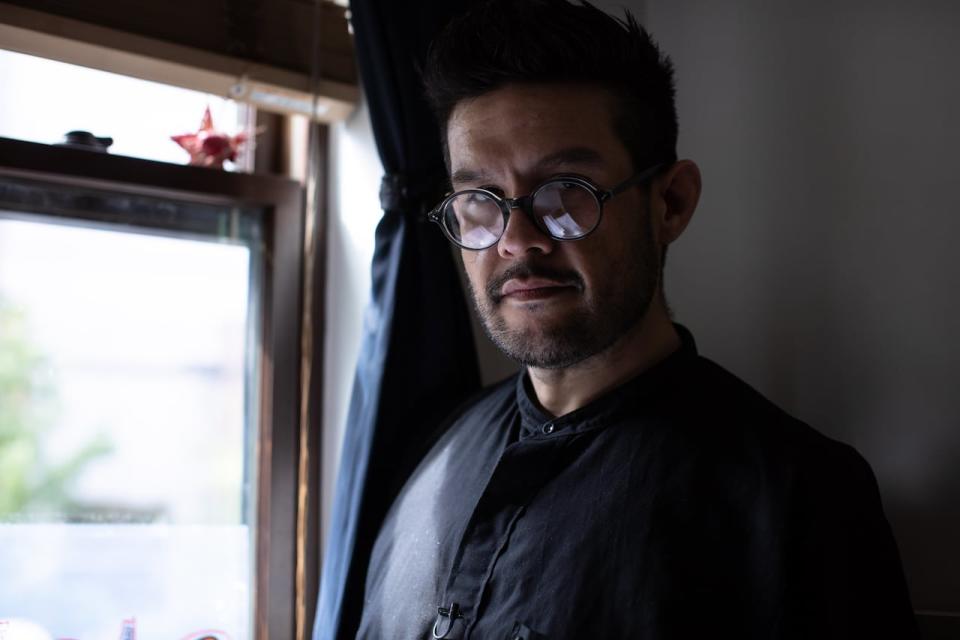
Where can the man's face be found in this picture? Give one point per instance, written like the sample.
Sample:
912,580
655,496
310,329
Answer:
544,302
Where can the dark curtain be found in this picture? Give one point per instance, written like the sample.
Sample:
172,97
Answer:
417,360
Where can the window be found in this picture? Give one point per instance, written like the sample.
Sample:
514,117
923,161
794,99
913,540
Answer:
149,316
129,417
240,236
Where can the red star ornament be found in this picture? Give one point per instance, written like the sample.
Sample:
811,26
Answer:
209,147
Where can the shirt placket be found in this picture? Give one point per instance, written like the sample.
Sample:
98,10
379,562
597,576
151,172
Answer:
523,468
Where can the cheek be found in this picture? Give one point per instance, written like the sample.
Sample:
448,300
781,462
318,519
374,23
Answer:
631,235
602,259
475,267
471,260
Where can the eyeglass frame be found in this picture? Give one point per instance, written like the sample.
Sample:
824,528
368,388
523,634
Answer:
525,204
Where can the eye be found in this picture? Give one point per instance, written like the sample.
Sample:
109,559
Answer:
474,208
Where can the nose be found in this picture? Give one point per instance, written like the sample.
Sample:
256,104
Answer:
521,236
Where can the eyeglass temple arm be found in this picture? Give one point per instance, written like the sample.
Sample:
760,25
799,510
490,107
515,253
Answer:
643,176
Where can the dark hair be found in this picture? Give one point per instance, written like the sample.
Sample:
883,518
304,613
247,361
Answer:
499,42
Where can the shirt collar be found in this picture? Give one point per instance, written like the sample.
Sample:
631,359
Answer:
535,423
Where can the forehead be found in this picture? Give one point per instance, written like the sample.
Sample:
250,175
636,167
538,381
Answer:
514,129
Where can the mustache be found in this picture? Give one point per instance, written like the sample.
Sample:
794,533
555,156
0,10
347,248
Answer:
523,270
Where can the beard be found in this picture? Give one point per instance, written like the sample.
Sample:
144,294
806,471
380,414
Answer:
604,314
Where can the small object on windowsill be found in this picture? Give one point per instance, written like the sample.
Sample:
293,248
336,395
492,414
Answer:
85,140
209,147
129,629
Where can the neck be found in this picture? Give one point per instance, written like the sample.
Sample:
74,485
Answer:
560,391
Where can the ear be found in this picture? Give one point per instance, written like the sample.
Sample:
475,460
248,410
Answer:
678,191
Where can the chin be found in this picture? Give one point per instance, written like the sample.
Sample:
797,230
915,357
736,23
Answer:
541,344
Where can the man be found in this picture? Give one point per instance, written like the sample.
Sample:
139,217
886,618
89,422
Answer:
621,486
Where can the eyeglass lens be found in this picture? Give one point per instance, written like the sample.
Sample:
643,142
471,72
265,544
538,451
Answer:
565,210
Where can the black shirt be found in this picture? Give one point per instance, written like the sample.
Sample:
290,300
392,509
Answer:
680,505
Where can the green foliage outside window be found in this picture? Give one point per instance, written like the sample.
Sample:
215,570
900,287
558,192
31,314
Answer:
31,486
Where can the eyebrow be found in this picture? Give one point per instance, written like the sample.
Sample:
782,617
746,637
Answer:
461,176
571,156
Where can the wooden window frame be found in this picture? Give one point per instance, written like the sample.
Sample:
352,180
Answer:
268,87
288,451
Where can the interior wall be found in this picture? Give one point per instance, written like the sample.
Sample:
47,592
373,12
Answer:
821,264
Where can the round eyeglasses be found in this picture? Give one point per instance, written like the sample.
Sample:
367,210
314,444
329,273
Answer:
564,207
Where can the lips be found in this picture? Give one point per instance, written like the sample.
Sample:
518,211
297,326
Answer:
532,288
531,281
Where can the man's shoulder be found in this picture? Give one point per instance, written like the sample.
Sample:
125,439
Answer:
741,416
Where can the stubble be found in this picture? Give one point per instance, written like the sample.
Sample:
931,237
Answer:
603,315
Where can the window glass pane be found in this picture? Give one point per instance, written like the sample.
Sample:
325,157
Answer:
139,115
127,421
